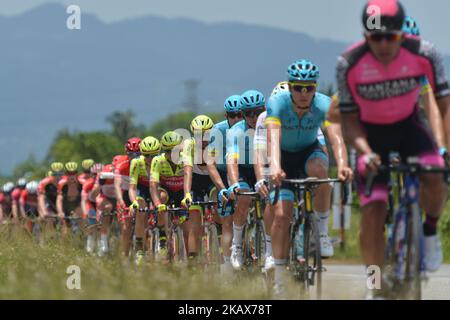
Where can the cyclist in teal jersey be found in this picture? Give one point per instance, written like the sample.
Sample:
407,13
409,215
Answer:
293,120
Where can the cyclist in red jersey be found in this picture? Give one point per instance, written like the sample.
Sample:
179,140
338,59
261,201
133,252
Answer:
88,204
122,184
86,164
28,202
15,197
105,202
6,201
68,201
379,82
47,194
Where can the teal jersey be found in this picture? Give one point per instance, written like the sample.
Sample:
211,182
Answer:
297,134
217,144
240,143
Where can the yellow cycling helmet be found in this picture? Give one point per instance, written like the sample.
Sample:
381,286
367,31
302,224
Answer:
87,164
57,167
170,140
149,146
202,123
71,166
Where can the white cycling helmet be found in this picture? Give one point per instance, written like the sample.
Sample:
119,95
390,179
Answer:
7,187
22,182
280,87
32,187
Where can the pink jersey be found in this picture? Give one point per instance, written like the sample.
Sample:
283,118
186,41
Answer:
388,94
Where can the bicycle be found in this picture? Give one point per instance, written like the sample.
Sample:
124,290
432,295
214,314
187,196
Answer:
404,259
305,261
210,245
176,245
254,244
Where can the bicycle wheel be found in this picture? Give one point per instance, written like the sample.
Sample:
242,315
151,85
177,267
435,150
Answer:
413,254
312,255
213,245
177,248
259,243
247,247
154,243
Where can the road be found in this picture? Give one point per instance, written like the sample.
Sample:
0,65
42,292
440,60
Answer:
349,282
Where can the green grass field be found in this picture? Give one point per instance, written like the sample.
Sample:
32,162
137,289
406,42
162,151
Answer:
29,271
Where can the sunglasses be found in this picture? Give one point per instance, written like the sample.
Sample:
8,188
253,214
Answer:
147,155
133,154
233,115
388,36
303,88
253,113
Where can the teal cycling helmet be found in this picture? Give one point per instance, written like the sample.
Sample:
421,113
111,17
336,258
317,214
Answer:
233,103
303,70
410,26
252,99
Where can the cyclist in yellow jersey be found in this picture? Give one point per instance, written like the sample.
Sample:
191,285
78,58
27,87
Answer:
139,190
197,182
167,177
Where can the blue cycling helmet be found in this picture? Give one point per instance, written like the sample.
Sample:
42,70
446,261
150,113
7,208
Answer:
303,70
233,103
252,99
410,26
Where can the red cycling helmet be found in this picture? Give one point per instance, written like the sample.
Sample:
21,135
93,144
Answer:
133,144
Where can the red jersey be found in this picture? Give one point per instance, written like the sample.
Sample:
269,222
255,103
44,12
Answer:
123,170
107,186
28,199
82,178
6,203
88,186
15,195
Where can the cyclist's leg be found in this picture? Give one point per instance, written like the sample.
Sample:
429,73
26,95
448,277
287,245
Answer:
125,222
91,220
104,205
246,179
268,220
316,165
433,190
139,230
227,226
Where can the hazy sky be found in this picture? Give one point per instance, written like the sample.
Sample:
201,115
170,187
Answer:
333,19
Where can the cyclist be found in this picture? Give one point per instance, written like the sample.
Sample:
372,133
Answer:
6,201
86,164
47,193
68,201
240,166
28,202
167,178
105,201
15,196
139,191
292,122
379,82
88,204
197,183
122,184
217,169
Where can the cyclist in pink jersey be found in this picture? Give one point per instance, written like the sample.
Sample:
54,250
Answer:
379,82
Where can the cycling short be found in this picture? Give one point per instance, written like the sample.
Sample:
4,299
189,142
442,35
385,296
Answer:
31,211
409,138
69,206
144,192
202,186
174,197
101,198
247,178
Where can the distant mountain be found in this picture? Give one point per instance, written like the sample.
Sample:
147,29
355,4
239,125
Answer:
53,77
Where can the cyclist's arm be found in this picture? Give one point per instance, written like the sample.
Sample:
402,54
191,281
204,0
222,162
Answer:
334,135
154,193
1,213
59,204
118,188
215,176
334,115
22,209
84,198
41,205
444,107
15,210
434,117
354,133
187,182
96,189
132,192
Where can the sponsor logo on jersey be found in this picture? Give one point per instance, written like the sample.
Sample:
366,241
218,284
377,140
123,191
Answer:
388,89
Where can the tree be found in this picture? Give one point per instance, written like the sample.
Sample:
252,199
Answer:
122,124
30,167
100,146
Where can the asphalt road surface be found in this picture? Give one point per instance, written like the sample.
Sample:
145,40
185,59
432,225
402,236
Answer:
349,282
